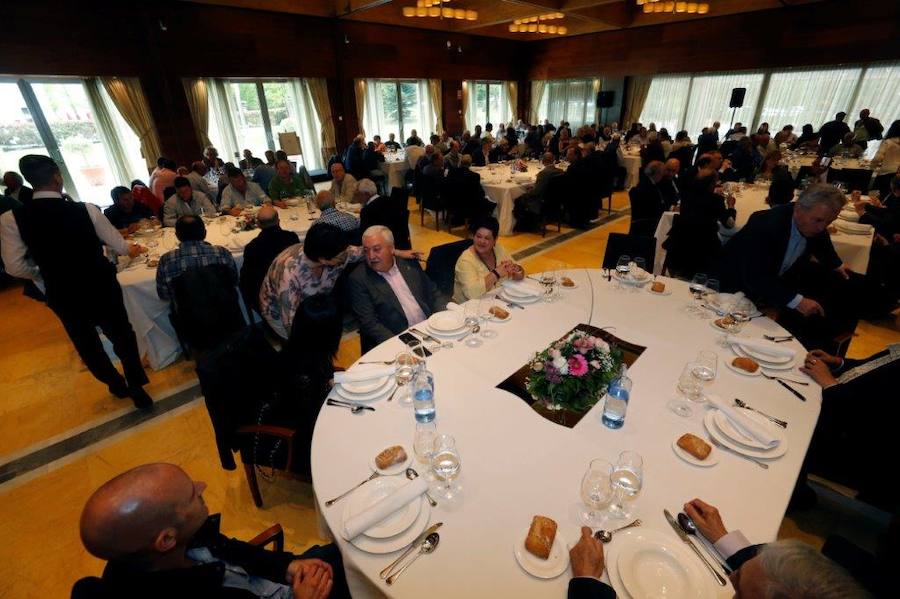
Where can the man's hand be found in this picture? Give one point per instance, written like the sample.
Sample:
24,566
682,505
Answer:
409,254
312,583
135,250
731,201
707,519
305,567
843,272
280,203
807,307
133,227
818,371
587,555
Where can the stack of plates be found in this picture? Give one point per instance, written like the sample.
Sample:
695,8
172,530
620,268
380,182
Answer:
371,390
446,324
523,292
637,278
645,564
722,430
765,360
397,530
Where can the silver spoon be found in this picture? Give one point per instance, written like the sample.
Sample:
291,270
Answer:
690,527
605,536
428,546
474,331
353,409
412,474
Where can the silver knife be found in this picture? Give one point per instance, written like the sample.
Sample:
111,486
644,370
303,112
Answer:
425,336
509,303
433,528
683,536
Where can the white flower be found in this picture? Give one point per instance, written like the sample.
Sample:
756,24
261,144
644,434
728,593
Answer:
561,365
555,354
601,345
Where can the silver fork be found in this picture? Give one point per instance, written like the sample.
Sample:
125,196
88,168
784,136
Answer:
778,378
385,362
741,404
762,465
779,338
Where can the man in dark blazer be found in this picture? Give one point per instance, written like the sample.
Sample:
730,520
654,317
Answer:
261,251
389,295
464,194
771,260
648,200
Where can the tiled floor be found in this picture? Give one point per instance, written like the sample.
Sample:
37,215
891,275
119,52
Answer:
46,393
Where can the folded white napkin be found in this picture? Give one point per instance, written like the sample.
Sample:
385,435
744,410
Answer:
453,306
764,347
525,286
743,423
849,215
849,227
374,514
365,372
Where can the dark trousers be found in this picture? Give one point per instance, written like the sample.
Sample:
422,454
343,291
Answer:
102,306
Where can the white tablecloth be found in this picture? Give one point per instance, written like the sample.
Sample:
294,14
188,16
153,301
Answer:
795,161
515,464
149,315
853,249
503,187
631,160
395,167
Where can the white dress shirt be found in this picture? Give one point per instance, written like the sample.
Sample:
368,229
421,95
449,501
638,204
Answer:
15,252
888,156
411,308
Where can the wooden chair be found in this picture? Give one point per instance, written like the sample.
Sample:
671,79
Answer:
285,434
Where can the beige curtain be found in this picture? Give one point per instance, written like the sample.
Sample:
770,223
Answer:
198,101
318,89
537,94
512,96
359,86
635,98
128,97
434,90
465,104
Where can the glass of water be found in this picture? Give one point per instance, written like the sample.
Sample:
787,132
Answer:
697,288
623,265
446,464
484,310
404,371
472,312
627,480
711,295
596,492
705,366
423,445
689,385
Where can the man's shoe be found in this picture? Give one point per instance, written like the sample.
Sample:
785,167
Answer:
141,398
120,389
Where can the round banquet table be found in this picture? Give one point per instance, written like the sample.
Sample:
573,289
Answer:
503,187
516,464
630,158
395,167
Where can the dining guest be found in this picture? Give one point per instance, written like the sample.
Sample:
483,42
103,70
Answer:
250,161
465,195
414,139
125,214
270,158
186,201
443,144
211,159
286,184
771,168
866,129
197,177
343,184
374,163
887,159
786,136
481,267
488,132
847,147
392,144
59,244
389,295
648,201
376,209
263,175
240,193
653,151
501,153
781,192
261,251
682,140
332,216
192,252
163,177
833,132
142,195
671,183
482,157
15,187
808,140
453,157
733,129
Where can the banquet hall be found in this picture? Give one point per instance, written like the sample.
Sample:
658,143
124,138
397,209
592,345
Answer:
424,296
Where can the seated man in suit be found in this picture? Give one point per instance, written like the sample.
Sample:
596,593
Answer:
482,157
15,187
389,295
392,144
781,569
375,208
453,156
648,202
464,194
154,530
343,184
261,252
771,260
528,206
186,201
192,252
125,214
241,193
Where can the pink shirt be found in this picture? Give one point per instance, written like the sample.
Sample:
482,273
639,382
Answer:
411,308
164,178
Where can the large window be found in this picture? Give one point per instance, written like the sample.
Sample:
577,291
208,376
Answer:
77,126
250,113
571,100
814,96
398,106
488,103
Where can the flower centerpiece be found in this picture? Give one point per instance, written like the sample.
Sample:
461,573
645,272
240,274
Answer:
573,373
521,166
245,222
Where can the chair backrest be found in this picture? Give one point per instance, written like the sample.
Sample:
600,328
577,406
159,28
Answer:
558,189
441,265
206,307
685,156
632,245
430,192
854,178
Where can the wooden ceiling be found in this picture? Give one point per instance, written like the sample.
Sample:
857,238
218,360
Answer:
495,16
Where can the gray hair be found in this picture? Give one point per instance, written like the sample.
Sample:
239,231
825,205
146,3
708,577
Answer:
654,169
465,161
547,158
324,198
795,569
379,230
367,186
822,193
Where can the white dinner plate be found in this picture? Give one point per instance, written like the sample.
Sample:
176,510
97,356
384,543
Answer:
551,567
392,470
714,432
666,291
735,434
519,300
740,371
519,295
445,335
711,460
631,280
763,363
612,570
654,566
524,288
760,356
448,321
373,492
373,396
364,387
396,543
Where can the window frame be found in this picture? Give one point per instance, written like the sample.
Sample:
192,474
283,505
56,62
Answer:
397,83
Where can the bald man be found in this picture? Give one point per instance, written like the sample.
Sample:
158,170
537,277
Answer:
154,530
260,252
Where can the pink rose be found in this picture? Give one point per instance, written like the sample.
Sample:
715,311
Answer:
578,366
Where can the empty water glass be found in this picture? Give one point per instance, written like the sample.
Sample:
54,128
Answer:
624,264
627,480
423,445
596,492
689,385
697,288
404,371
472,314
484,309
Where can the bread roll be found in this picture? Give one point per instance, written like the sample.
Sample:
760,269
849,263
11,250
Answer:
567,282
499,312
748,364
540,536
390,456
658,287
694,445
725,322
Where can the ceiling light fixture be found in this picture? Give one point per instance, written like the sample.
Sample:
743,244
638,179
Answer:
673,7
434,8
537,24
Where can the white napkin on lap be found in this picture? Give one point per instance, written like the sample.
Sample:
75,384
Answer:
374,514
743,423
525,286
763,347
363,373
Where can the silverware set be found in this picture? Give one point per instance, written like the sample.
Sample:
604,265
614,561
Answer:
778,378
355,408
685,538
510,303
779,338
742,404
762,465
430,536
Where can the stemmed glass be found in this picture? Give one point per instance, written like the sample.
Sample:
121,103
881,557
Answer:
404,371
473,316
549,281
484,309
623,266
711,294
705,366
627,480
737,314
423,444
446,464
596,491
697,288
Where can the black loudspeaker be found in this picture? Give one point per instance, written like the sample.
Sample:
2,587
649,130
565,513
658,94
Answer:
605,99
737,97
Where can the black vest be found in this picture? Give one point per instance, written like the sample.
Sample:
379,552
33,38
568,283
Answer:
63,243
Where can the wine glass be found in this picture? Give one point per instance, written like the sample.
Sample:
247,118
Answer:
549,281
705,366
696,288
404,371
711,294
627,480
472,314
689,385
484,310
623,266
596,491
423,445
446,464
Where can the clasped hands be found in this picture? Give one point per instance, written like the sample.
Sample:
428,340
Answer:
309,578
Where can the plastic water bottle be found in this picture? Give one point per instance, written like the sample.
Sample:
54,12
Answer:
423,394
617,396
